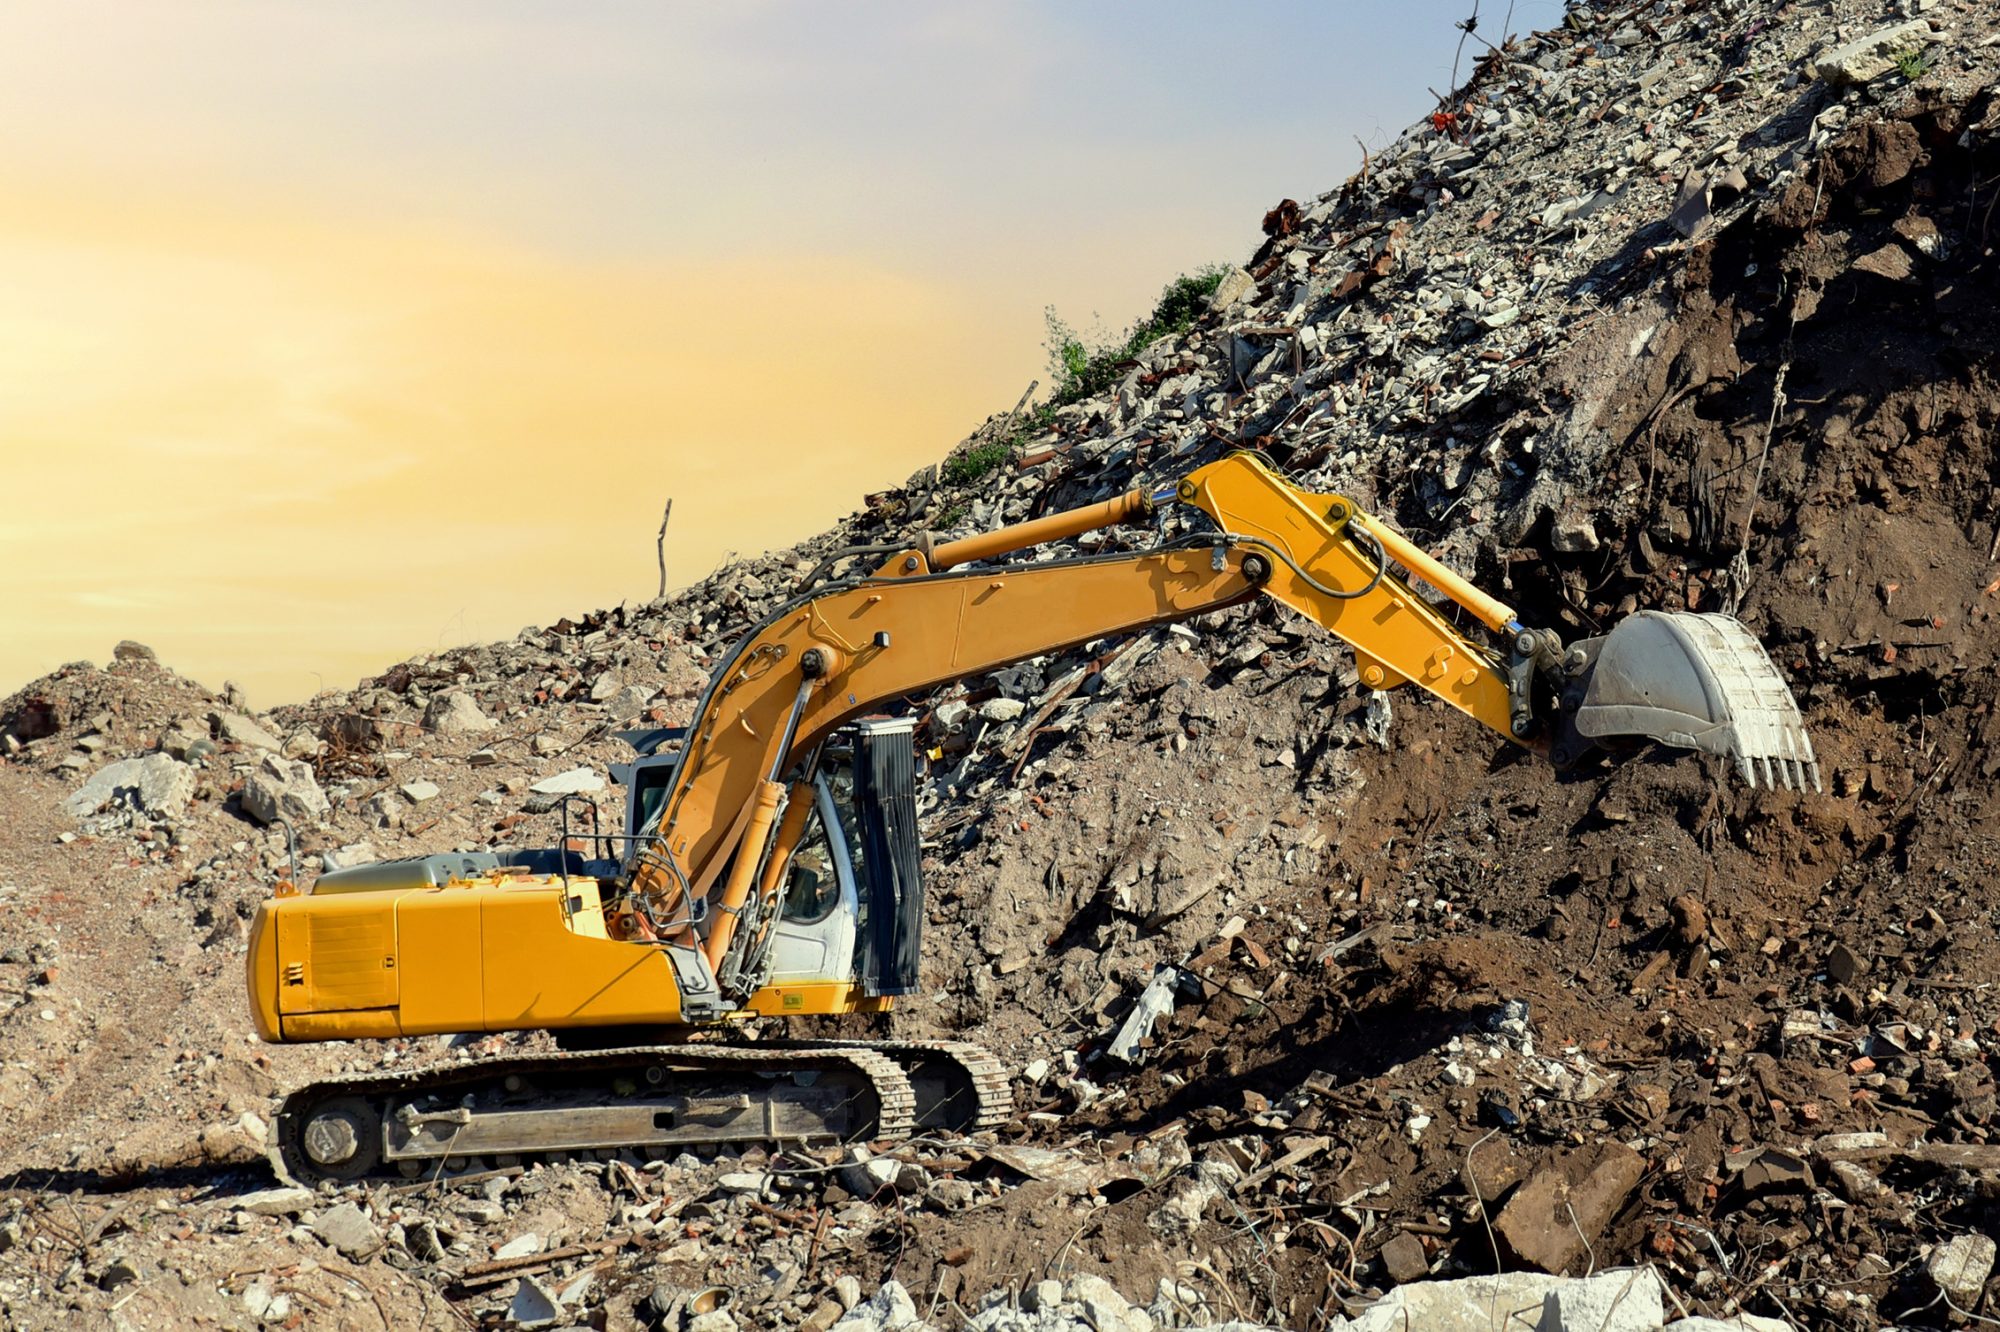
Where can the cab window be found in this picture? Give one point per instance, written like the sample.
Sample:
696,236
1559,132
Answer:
812,885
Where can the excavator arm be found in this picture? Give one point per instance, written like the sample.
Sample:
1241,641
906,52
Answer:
935,613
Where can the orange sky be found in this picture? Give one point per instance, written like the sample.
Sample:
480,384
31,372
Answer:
334,333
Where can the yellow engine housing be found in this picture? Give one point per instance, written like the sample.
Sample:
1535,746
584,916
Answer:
483,954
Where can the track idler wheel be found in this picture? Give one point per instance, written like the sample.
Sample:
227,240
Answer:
340,1138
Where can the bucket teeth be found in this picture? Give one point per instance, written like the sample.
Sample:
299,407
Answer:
1700,682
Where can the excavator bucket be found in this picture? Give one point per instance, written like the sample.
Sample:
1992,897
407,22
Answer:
1697,682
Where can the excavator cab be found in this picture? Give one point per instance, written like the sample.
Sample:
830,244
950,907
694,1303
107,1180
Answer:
850,907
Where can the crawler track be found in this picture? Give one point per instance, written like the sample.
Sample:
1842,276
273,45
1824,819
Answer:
660,1099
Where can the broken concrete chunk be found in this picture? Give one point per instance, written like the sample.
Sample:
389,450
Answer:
456,713
1628,1300
1959,1269
577,781
348,1230
157,784
1404,1259
1566,1204
1872,56
238,729
283,789
534,1305
1235,285
274,1202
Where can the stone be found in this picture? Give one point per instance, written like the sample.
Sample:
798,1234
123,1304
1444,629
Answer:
1842,965
951,714
533,1305
520,1246
715,1320
456,713
1104,1308
1742,1322
847,1289
1404,1259
577,781
1619,1300
950,1194
419,791
273,1202
753,1182
1472,1304
1959,1269
347,857
603,687
421,1239
128,650
1235,285
628,702
1572,531
156,784
347,1229
283,789
1566,1203
181,738
891,1310
237,729
1042,1297
1002,709
1870,57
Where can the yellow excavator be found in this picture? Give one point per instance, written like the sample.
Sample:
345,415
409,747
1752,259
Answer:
769,862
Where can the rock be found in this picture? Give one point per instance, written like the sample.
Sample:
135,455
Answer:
628,702
131,651
230,1144
715,1320
847,1290
238,729
1002,709
1473,1304
455,713
1959,1269
383,810
419,791
1871,57
1770,1169
951,714
1566,1204
1042,1297
346,857
274,1202
950,1194
1235,285
1742,1322
576,781
1104,1309
1620,1300
533,1305
520,1246
156,784
1572,530
1404,1259
283,789
421,1239
753,1182
347,1229
181,738
866,1175
892,1310
603,687
1842,965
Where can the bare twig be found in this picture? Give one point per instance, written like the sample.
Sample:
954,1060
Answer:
660,547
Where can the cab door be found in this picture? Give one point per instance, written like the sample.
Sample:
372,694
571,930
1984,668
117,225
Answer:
814,937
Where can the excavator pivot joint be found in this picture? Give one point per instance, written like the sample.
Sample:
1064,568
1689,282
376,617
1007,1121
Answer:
1256,568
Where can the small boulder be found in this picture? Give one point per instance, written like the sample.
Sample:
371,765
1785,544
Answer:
156,784
349,1230
274,1202
282,789
238,729
456,713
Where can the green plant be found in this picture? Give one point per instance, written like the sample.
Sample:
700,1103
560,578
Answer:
964,468
1912,65
1081,370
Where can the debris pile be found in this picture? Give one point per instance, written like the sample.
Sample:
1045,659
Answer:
1324,1012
